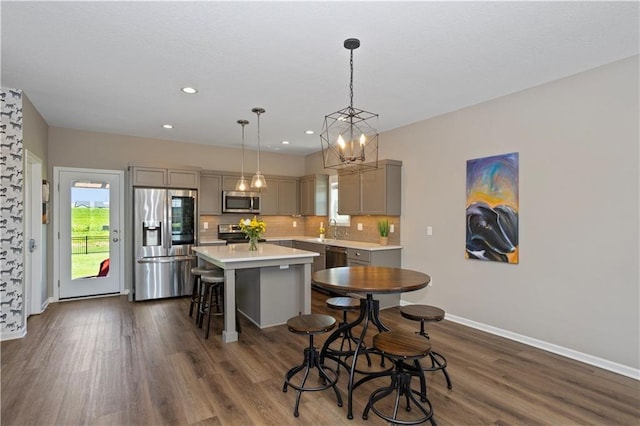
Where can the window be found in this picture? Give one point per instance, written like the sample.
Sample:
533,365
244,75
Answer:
341,219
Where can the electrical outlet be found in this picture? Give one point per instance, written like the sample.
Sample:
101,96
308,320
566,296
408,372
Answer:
429,230
392,228
295,224
359,227
205,225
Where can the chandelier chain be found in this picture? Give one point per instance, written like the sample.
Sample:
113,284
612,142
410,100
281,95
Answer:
351,82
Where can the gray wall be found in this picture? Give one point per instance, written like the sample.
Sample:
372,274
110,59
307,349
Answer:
577,283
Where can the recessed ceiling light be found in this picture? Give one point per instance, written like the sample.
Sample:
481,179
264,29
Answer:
168,126
309,132
285,142
189,90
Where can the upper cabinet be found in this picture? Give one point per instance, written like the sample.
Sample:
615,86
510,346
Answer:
210,195
372,191
280,197
164,178
314,192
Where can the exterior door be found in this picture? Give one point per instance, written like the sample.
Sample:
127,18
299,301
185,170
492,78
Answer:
90,251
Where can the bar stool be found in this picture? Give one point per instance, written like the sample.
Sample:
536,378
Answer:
345,304
401,346
213,285
426,313
311,325
196,293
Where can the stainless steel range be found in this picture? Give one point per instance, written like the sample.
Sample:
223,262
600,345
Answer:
232,234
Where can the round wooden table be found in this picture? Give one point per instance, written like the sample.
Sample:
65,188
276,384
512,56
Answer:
368,281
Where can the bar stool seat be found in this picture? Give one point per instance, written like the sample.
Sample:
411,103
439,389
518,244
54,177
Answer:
426,313
311,325
401,347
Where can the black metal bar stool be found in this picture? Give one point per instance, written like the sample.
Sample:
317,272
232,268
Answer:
426,313
345,304
401,347
213,283
311,325
196,293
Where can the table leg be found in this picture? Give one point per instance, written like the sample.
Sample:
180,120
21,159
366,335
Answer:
369,311
229,334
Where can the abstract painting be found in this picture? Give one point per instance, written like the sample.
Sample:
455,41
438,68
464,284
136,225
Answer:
492,208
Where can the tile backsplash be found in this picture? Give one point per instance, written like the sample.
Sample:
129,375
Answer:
308,226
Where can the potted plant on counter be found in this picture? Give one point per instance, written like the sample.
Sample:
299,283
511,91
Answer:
383,230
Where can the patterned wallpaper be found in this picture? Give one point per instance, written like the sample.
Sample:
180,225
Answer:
11,214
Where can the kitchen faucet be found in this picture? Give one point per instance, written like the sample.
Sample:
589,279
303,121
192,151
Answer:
335,228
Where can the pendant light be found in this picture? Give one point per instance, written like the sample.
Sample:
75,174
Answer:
258,181
242,184
349,137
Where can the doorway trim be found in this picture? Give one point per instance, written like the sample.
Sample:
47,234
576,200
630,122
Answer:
35,265
56,228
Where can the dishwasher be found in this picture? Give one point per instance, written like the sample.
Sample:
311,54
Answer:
335,257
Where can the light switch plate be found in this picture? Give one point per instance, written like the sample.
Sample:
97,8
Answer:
359,227
205,225
392,228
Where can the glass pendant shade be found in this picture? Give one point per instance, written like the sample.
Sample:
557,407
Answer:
258,181
349,137
242,184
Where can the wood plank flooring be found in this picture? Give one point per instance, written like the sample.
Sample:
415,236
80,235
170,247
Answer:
109,361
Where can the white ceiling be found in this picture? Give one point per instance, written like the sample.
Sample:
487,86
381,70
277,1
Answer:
117,67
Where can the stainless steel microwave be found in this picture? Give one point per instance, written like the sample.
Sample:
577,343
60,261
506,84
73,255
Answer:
240,202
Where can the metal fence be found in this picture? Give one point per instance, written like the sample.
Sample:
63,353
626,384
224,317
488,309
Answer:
87,244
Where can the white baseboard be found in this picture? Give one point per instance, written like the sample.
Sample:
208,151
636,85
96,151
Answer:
550,347
11,335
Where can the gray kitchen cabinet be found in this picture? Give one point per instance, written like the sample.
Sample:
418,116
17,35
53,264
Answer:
371,191
280,197
389,258
210,194
349,193
319,261
164,178
314,192
229,181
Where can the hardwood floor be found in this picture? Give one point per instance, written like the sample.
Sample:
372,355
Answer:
109,361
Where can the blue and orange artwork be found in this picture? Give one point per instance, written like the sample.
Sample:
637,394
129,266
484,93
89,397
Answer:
492,208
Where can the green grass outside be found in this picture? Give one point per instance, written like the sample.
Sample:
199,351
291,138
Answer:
89,222
86,265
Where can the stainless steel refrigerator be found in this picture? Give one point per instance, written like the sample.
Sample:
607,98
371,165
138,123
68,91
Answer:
165,227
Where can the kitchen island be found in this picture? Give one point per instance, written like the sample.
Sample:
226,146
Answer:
270,284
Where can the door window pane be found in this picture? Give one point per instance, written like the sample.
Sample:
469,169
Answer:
89,229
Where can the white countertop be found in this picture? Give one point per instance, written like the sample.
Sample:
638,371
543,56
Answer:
327,241
240,253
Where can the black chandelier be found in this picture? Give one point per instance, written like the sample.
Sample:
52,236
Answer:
349,137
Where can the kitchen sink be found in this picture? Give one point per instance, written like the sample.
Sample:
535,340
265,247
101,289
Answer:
319,240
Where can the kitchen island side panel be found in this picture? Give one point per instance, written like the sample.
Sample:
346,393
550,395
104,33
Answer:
269,296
